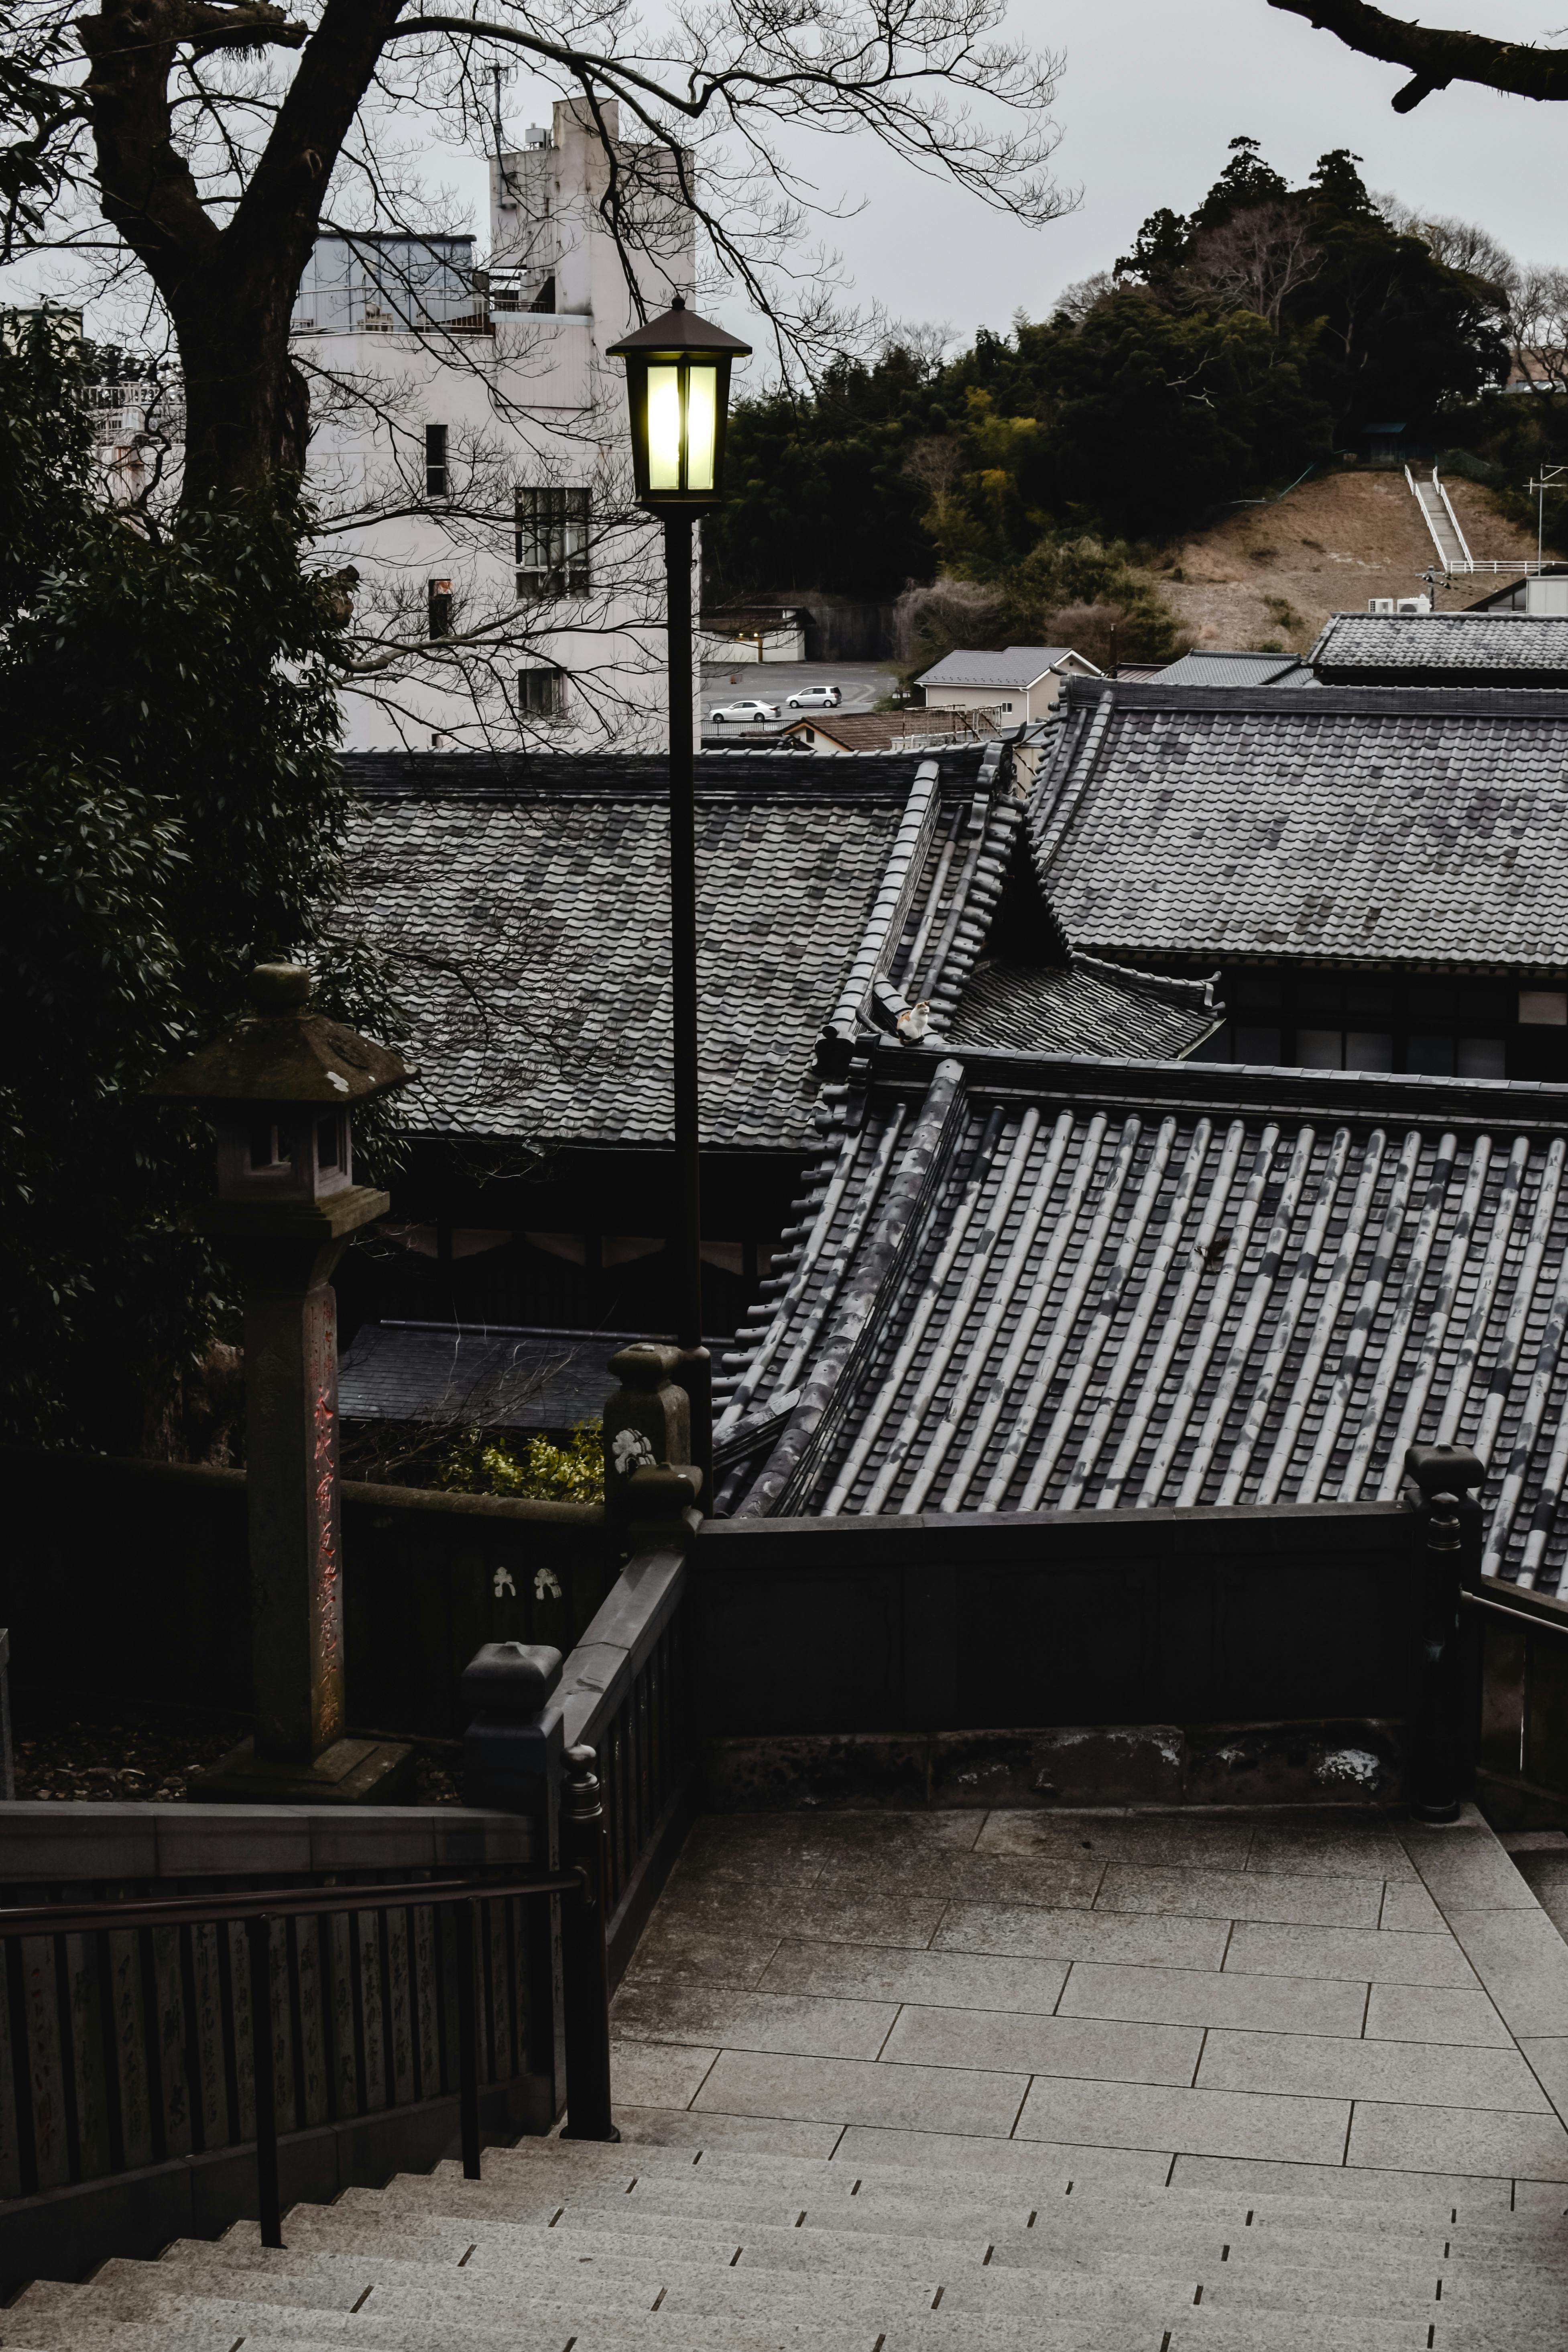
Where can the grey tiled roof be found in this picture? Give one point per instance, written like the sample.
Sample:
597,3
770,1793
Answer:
1358,825
1492,648
1227,669
459,1374
546,882
1078,1284
1019,666
1084,1006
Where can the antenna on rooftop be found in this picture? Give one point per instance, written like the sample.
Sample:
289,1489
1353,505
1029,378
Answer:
499,74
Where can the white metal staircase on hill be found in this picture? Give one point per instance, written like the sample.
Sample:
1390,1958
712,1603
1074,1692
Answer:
1443,523
572,2247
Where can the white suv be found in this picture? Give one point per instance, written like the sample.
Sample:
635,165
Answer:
816,697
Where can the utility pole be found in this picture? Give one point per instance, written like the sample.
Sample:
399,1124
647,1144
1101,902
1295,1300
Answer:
1548,476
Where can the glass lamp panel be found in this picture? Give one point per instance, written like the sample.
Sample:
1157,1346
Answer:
664,428
701,425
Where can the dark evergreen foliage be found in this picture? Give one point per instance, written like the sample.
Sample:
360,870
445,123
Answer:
1234,348
169,805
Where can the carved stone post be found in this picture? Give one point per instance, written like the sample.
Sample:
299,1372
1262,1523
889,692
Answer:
278,1088
1442,1719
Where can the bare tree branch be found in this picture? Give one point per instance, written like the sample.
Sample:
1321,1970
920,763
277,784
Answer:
1437,58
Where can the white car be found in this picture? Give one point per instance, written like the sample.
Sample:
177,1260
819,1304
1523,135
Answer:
816,697
743,714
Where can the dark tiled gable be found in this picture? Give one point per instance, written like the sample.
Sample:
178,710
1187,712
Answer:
1084,1007
1024,1286
546,881
1492,648
1367,826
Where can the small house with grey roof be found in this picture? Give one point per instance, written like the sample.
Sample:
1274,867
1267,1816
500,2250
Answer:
1379,874
1022,683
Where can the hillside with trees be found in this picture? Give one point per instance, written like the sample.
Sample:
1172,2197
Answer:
1234,351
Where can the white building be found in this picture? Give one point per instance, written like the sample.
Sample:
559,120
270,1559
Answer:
470,462
1022,683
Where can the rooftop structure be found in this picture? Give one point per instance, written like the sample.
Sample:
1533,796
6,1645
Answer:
838,901
1351,828
1232,669
1494,648
834,731
1032,1284
1022,683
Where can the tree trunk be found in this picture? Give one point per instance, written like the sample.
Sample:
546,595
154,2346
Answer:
247,405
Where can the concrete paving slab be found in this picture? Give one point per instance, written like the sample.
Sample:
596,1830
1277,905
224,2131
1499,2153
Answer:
1409,1909
659,2074
1522,1961
1548,2058
1047,2164
1307,1902
1406,2073
675,2010
1463,1866
679,2127
1338,1852
1366,1956
1208,1997
935,1980
1056,1882
1200,2122
1142,1940
671,1947
1002,2040
1189,1840
824,1915
828,2090
1302,2180
1459,2139
1424,2014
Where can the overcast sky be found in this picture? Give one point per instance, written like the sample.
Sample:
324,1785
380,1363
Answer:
1152,93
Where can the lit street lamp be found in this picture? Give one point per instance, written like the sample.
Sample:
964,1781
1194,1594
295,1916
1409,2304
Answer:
678,387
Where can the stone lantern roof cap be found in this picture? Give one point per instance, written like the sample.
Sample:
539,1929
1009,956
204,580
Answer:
278,1053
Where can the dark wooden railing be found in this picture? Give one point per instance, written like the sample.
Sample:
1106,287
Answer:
139,2031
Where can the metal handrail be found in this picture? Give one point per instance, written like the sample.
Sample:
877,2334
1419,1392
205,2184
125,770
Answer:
276,1902
586,1985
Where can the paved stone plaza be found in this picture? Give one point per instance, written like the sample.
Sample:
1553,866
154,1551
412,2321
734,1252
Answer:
985,2083
1163,1997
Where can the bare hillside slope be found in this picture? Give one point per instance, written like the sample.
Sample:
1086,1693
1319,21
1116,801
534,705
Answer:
1272,575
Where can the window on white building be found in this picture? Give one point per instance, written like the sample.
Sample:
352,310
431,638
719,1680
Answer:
540,693
437,479
551,541
439,608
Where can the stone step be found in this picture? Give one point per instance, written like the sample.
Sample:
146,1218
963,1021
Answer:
585,2158
1197,2239
653,2333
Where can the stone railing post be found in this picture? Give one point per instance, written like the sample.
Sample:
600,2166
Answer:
650,1481
513,1761
1442,1716
587,1957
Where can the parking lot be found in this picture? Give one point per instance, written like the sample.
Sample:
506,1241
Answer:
861,684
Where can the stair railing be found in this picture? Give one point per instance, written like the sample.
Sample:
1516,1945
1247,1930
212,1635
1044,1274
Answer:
35,1952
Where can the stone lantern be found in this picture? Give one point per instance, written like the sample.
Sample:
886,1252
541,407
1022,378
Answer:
280,1089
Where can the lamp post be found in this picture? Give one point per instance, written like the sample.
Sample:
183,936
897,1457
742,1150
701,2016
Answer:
677,388
278,1088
